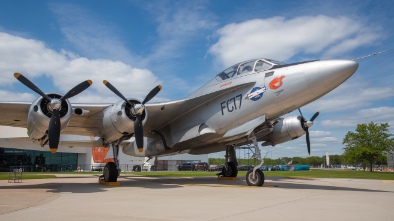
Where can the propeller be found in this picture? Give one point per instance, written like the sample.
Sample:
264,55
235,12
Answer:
54,106
137,111
306,124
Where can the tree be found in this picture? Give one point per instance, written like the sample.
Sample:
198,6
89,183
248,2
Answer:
369,143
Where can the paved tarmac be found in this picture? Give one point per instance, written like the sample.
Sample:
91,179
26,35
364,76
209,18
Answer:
199,198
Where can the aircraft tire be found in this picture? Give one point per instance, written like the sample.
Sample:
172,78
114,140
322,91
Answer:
258,181
232,170
110,172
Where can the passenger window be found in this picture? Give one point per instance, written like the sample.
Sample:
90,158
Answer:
261,66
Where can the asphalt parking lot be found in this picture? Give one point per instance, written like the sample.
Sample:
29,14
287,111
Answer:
75,197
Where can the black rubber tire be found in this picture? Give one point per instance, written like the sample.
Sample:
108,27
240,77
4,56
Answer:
110,172
259,181
232,170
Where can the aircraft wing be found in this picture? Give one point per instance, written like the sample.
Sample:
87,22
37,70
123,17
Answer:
14,114
90,123
161,114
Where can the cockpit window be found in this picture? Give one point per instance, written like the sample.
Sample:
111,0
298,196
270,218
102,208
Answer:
228,73
275,62
246,67
262,65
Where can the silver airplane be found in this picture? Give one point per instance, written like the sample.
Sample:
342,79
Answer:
241,105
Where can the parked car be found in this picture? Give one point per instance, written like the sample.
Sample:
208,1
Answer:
213,167
201,166
264,168
186,166
276,168
245,167
219,167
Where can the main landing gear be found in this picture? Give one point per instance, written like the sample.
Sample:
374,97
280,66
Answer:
230,167
254,177
111,169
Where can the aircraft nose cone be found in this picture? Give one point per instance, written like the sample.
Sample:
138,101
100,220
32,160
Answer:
329,75
338,70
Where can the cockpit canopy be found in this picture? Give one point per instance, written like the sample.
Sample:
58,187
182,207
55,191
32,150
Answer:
235,71
247,67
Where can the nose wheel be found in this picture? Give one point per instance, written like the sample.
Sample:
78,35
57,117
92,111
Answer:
257,179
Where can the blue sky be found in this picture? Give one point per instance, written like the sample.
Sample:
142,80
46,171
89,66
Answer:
182,44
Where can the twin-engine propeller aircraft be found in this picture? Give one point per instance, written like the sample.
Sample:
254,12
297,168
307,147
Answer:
241,105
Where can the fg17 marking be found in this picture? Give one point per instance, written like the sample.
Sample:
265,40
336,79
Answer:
231,104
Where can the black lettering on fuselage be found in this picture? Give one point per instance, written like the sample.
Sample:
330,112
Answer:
231,104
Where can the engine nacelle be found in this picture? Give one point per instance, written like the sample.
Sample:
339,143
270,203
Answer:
40,114
286,129
119,121
153,146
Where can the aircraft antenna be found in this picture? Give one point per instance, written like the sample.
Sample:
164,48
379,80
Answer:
376,53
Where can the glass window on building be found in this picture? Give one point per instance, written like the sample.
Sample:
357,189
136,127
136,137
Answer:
33,160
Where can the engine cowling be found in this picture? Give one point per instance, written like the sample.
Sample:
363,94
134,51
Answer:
288,128
40,114
118,120
153,146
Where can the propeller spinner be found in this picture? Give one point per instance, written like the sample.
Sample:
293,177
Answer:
137,111
54,106
306,124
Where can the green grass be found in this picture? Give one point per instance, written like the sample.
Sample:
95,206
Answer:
296,174
28,175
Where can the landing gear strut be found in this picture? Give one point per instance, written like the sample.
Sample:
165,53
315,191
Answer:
255,177
112,169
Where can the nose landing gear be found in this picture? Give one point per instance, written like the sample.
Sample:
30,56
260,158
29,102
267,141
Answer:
255,177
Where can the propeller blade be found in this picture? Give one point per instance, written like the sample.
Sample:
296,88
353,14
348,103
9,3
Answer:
308,142
54,131
77,89
139,133
152,93
314,116
30,85
300,112
113,89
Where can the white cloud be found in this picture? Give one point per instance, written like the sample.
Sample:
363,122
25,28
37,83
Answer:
11,96
351,96
281,38
32,58
90,34
324,139
178,24
318,133
377,115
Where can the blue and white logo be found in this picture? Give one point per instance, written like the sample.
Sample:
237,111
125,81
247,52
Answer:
256,93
